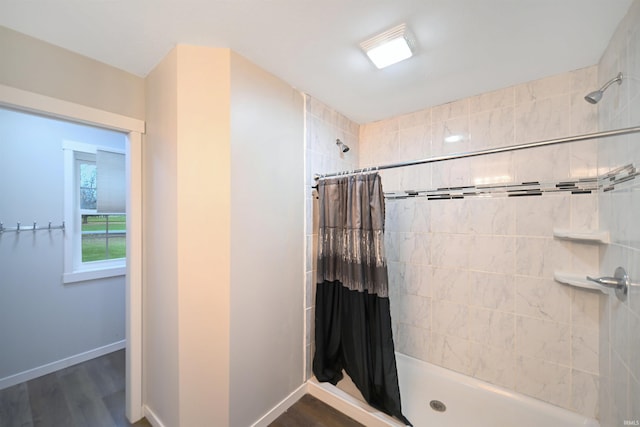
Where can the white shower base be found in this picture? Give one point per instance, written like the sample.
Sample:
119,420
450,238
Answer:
469,402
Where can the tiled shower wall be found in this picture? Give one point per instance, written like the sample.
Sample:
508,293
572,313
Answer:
471,280
323,126
620,214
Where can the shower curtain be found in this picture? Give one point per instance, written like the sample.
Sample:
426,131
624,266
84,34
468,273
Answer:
352,318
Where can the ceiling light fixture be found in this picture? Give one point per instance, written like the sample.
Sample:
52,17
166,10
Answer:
394,45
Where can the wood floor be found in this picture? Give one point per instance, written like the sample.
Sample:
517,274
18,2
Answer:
311,412
83,395
91,394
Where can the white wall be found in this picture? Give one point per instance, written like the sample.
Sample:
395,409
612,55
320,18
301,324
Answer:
45,321
619,213
267,237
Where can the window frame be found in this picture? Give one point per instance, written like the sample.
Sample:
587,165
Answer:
74,269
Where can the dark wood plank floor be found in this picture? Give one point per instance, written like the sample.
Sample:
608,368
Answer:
311,412
87,394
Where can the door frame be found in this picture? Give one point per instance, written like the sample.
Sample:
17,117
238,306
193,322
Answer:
56,108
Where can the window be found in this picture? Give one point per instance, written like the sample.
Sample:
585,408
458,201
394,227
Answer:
95,212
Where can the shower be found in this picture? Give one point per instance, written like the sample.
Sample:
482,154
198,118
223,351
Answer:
343,147
595,96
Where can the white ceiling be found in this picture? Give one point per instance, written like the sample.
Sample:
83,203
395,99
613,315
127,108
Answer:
464,47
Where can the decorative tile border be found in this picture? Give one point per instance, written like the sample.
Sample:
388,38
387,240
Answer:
606,182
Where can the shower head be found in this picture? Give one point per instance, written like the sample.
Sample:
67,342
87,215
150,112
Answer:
343,147
595,96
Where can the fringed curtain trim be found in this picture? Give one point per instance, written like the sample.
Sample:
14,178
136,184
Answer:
353,257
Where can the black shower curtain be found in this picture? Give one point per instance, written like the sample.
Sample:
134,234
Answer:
352,318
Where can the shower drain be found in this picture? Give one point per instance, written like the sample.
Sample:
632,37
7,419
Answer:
436,405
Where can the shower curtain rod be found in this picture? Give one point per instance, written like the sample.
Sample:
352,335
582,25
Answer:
583,137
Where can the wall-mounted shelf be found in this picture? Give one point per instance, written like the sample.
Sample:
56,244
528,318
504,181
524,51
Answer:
577,281
596,236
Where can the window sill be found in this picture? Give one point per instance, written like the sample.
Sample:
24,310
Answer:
98,273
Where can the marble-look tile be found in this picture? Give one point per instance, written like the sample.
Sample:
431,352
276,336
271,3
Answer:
583,160
584,393
414,143
311,252
451,136
491,216
450,318
310,323
450,110
455,173
634,399
620,331
449,216
399,215
418,118
491,290
634,344
450,352
450,284
543,298
543,380
421,216
492,128
543,119
619,389
539,257
540,215
543,164
492,364
416,177
584,212
418,280
413,341
584,349
391,246
634,274
492,254
496,169
585,258
449,250
413,248
501,98
633,229
585,310
415,310
310,290
544,88
584,116
494,328
584,79
542,339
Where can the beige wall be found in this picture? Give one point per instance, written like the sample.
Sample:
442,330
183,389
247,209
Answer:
160,272
40,67
267,202
203,219
187,208
224,239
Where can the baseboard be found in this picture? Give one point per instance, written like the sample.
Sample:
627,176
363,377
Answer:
349,405
60,364
281,407
151,416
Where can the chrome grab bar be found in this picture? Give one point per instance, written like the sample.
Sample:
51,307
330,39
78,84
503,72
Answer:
619,282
